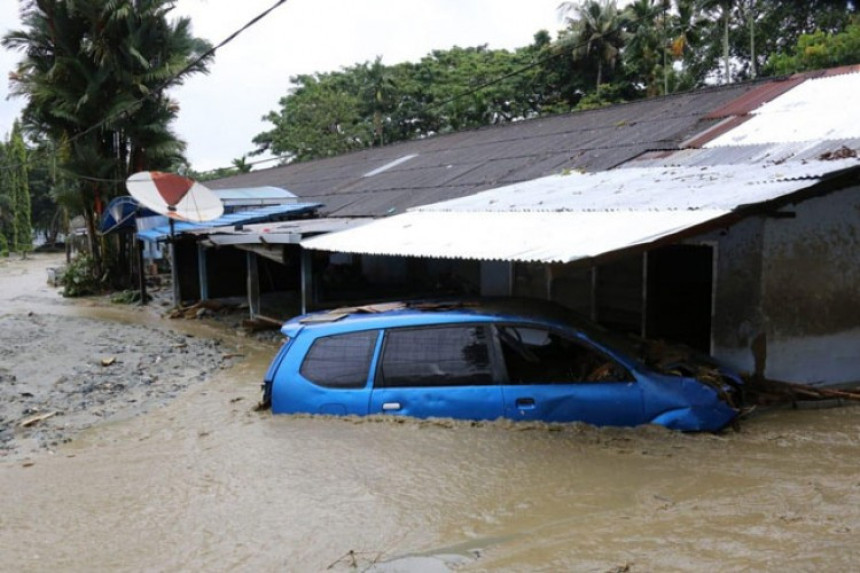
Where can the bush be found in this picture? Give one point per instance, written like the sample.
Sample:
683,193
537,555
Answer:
128,297
78,277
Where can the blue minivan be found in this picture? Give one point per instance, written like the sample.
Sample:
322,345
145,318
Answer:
510,358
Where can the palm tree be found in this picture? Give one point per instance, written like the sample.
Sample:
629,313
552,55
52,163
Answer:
596,31
647,43
94,73
724,9
378,90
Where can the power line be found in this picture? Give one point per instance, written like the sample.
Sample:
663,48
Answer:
160,87
231,37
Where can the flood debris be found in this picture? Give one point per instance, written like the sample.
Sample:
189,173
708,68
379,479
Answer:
768,392
204,308
843,152
36,418
108,361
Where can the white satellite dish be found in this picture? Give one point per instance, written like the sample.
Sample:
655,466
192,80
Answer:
174,196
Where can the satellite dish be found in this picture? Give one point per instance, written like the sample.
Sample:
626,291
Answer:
174,196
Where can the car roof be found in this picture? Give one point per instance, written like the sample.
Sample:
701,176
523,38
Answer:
431,312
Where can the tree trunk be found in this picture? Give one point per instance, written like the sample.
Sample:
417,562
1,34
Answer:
726,43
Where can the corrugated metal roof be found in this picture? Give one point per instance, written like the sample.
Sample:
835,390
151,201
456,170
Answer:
252,193
465,162
535,236
567,217
756,97
815,110
239,218
720,187
280,232
750,154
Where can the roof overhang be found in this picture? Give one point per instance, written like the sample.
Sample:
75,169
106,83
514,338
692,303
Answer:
231,220
274,233
561,219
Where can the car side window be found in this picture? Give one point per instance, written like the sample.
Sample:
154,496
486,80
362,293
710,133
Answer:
340,361
435,356
536,355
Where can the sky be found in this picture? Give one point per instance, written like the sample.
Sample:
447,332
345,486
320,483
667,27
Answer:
221,113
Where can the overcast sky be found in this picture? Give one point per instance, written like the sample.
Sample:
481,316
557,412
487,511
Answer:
221,113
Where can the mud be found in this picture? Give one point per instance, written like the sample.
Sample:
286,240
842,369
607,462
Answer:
61,374
202,482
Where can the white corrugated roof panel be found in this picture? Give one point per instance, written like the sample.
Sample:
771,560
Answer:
721,187
824,108
532,236
568,217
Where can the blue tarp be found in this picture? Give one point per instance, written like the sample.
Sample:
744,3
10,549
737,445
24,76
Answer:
121,213
260,215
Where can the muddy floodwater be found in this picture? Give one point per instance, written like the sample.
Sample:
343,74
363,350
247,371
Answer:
204,483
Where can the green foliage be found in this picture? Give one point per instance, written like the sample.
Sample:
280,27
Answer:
597,33
78,279
371,104
609,94
127,297
5,201
819,50
605,55
94,74
17,169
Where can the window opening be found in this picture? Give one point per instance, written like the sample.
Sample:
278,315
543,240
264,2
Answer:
540,356
439,356
340,361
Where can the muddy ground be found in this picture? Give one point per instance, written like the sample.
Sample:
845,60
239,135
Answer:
63,373
188,477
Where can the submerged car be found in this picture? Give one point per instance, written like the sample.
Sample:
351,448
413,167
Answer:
511,358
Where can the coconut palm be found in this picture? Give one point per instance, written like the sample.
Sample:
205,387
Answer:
94,73
646,51
596,31
722,11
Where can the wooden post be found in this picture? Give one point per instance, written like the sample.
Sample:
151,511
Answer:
141,272
202,273
307,271
174,269
253,284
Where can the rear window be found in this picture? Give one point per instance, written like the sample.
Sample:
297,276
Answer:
438,356
340,361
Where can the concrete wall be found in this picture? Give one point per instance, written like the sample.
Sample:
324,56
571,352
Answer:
737,326
787,300
811,290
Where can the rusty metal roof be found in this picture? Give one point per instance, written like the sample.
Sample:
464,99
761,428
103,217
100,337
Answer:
755,98
815,110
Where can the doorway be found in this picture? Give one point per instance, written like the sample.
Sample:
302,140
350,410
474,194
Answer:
679,295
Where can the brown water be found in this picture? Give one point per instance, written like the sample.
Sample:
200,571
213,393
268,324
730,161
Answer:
207,484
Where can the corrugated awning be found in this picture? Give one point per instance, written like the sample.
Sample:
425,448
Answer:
512,236
162,232
569,217
276,233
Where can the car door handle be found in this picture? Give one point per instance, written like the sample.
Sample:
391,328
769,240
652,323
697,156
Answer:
389,406
525,403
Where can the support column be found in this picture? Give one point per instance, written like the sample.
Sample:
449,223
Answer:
141,272
174,268
253,285
202,272
307,282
